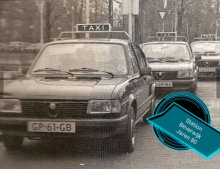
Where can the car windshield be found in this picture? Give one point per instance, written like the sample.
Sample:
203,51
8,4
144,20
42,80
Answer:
206,47
166,52
84,57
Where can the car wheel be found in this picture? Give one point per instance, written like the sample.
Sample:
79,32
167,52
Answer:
148,114
193,90
127,140
12,142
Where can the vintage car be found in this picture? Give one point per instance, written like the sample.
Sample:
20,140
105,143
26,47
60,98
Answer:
208,53
79,88
173,65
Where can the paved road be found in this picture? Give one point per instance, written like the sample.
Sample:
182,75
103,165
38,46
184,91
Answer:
103,154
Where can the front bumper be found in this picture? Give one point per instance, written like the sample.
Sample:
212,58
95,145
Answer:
178,84
85,128
208,71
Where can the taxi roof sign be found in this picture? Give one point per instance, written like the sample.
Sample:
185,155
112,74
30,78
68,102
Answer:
208,36
66,35
99,27
166,34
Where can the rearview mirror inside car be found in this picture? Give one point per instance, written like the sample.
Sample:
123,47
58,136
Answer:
145,71
197,58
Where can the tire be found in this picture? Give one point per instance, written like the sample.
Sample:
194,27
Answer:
193,90
127,140
148,114
13,142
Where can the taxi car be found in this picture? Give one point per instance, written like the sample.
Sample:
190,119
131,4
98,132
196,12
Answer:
207,50
95,88
172,63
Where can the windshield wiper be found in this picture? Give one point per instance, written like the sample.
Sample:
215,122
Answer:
47,69
84,69
209,52
168,59
182,60
153,59
172,59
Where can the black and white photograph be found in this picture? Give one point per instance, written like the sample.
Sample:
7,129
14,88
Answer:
109,84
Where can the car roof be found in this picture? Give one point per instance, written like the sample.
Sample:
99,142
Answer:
166,42
99,40
205,42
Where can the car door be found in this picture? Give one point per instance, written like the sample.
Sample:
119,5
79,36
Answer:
143,82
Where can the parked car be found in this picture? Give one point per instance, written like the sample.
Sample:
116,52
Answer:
17,46
3,47
79,88
10,69
173,65
208,54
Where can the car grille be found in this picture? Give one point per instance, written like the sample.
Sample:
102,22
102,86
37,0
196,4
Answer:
208,63
54,108
171,75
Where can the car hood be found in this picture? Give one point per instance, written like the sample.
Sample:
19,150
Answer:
76,89
210,58
174,66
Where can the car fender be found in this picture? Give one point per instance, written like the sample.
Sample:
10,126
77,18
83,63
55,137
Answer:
152,89
132,102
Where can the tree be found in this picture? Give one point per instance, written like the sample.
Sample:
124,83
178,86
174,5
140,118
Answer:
54,9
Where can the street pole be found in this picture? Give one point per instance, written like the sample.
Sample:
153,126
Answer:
40,5
87,15
111,12
176,17
216,29
130,27
163,26
72,19
130,21
41,22
187,31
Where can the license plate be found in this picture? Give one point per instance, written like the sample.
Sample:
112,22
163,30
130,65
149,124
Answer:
164,84
51,127
209,69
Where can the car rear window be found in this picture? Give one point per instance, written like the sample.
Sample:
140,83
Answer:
178,51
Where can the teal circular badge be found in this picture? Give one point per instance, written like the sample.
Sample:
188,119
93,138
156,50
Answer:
188,101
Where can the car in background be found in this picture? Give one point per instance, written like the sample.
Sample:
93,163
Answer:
16,46
172,63
3,47
10,69
208,54
91,88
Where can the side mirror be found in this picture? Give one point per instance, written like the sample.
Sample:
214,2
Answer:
24,69
145,71
198,58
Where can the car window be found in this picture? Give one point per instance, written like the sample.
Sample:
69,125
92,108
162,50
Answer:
134,60
140,56
202,47
167,51
104,57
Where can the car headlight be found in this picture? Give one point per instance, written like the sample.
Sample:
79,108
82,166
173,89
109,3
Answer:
185,74
103,106
10,105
